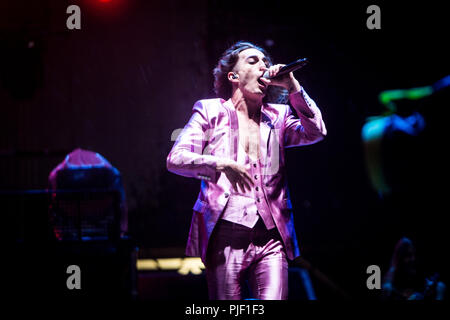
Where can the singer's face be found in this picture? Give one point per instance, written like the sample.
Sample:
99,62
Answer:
250,67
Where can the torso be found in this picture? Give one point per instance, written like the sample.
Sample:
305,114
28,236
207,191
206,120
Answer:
249,135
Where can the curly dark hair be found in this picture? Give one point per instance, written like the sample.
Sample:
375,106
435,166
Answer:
222,86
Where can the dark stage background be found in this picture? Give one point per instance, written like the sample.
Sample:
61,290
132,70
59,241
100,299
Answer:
129,77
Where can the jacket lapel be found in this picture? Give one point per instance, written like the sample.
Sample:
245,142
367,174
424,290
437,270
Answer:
234,128
265,128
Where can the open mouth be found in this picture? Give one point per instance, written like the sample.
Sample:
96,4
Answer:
260,82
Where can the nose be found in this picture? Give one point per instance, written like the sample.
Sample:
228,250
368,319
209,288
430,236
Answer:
262,66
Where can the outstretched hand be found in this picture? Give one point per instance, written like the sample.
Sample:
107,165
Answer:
237,174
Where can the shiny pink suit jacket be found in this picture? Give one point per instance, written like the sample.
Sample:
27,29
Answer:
212,133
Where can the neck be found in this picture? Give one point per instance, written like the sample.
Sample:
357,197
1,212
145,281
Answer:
247,106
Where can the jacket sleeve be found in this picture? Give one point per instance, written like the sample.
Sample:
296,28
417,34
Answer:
187,156
309,127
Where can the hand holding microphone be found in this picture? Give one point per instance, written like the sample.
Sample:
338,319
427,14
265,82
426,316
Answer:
281,75
298,64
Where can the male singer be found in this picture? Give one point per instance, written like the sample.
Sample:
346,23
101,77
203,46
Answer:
242,225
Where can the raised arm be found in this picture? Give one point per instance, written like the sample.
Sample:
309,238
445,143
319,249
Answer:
309,127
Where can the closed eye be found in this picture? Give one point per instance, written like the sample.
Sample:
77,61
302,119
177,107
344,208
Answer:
255,59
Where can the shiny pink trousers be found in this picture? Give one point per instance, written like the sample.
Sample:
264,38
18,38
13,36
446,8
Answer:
237,253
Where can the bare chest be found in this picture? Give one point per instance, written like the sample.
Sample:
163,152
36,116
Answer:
249,136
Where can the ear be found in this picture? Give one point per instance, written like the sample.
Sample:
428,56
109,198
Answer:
232,77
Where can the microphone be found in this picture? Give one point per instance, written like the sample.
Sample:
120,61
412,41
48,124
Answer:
300,63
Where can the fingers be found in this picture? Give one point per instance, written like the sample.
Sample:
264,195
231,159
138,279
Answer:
245,185
244,181
242,185
273,70
248,179
240,178
266,81
234,184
